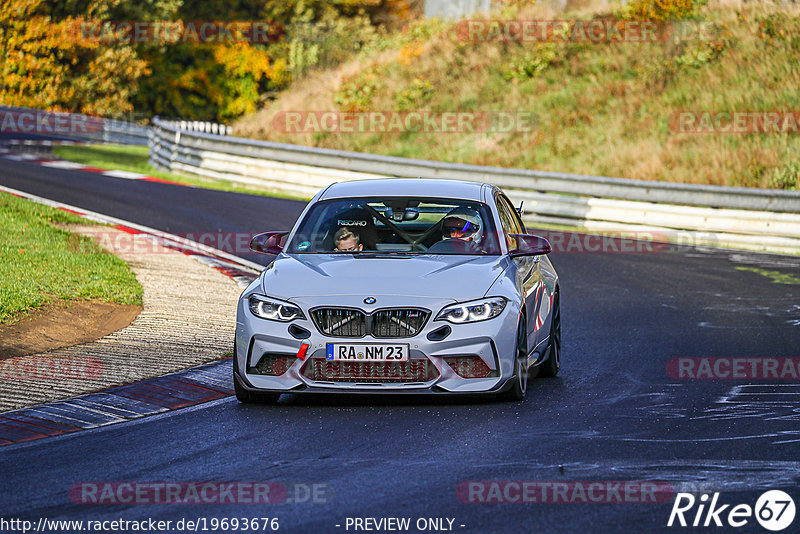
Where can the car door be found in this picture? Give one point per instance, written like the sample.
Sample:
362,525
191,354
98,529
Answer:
546,275
527,268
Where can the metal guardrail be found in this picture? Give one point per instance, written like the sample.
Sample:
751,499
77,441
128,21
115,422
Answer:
199,126
544,181
753,218
71,126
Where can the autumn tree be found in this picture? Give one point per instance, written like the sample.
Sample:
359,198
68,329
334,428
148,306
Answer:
53,59
47,61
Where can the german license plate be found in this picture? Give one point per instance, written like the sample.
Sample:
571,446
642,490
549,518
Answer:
367,352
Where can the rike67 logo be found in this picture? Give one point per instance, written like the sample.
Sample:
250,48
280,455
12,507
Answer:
774,510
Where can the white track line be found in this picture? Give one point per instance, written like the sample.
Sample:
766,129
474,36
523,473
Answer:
125,174
61,164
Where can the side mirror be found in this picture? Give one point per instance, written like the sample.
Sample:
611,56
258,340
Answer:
530,245
269,242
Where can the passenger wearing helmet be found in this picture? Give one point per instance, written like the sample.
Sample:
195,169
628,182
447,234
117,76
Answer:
461,232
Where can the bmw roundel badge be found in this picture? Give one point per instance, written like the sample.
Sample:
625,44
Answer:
370,300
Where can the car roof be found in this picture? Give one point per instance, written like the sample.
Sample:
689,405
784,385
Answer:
406,187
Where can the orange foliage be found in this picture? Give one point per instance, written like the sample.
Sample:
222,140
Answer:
662,10
50,62
48,65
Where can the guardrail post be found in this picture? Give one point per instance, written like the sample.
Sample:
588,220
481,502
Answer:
173,155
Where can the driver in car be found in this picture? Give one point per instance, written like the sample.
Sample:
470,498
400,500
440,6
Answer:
462,224
347,240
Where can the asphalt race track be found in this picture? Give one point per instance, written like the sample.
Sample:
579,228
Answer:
613,414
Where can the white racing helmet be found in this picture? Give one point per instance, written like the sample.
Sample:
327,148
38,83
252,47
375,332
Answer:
464,221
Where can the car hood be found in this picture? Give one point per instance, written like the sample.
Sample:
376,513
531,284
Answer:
449,277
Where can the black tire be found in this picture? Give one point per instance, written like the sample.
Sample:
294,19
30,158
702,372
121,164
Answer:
520,380
250,397
552,365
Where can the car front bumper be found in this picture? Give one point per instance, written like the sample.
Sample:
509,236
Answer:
492,340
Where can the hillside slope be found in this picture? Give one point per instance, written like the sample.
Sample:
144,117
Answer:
608,108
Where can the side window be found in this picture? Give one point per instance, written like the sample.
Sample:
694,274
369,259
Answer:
514,215
508,222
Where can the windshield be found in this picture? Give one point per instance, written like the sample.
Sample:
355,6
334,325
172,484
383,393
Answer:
396,225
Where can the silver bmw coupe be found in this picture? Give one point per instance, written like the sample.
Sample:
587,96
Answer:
400,286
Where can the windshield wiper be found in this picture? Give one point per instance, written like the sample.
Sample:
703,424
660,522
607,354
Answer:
371,254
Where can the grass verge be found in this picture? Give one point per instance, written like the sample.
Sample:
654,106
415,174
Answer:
134,158
40,262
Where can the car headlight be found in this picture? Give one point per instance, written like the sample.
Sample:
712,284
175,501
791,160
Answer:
274,310
473,311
